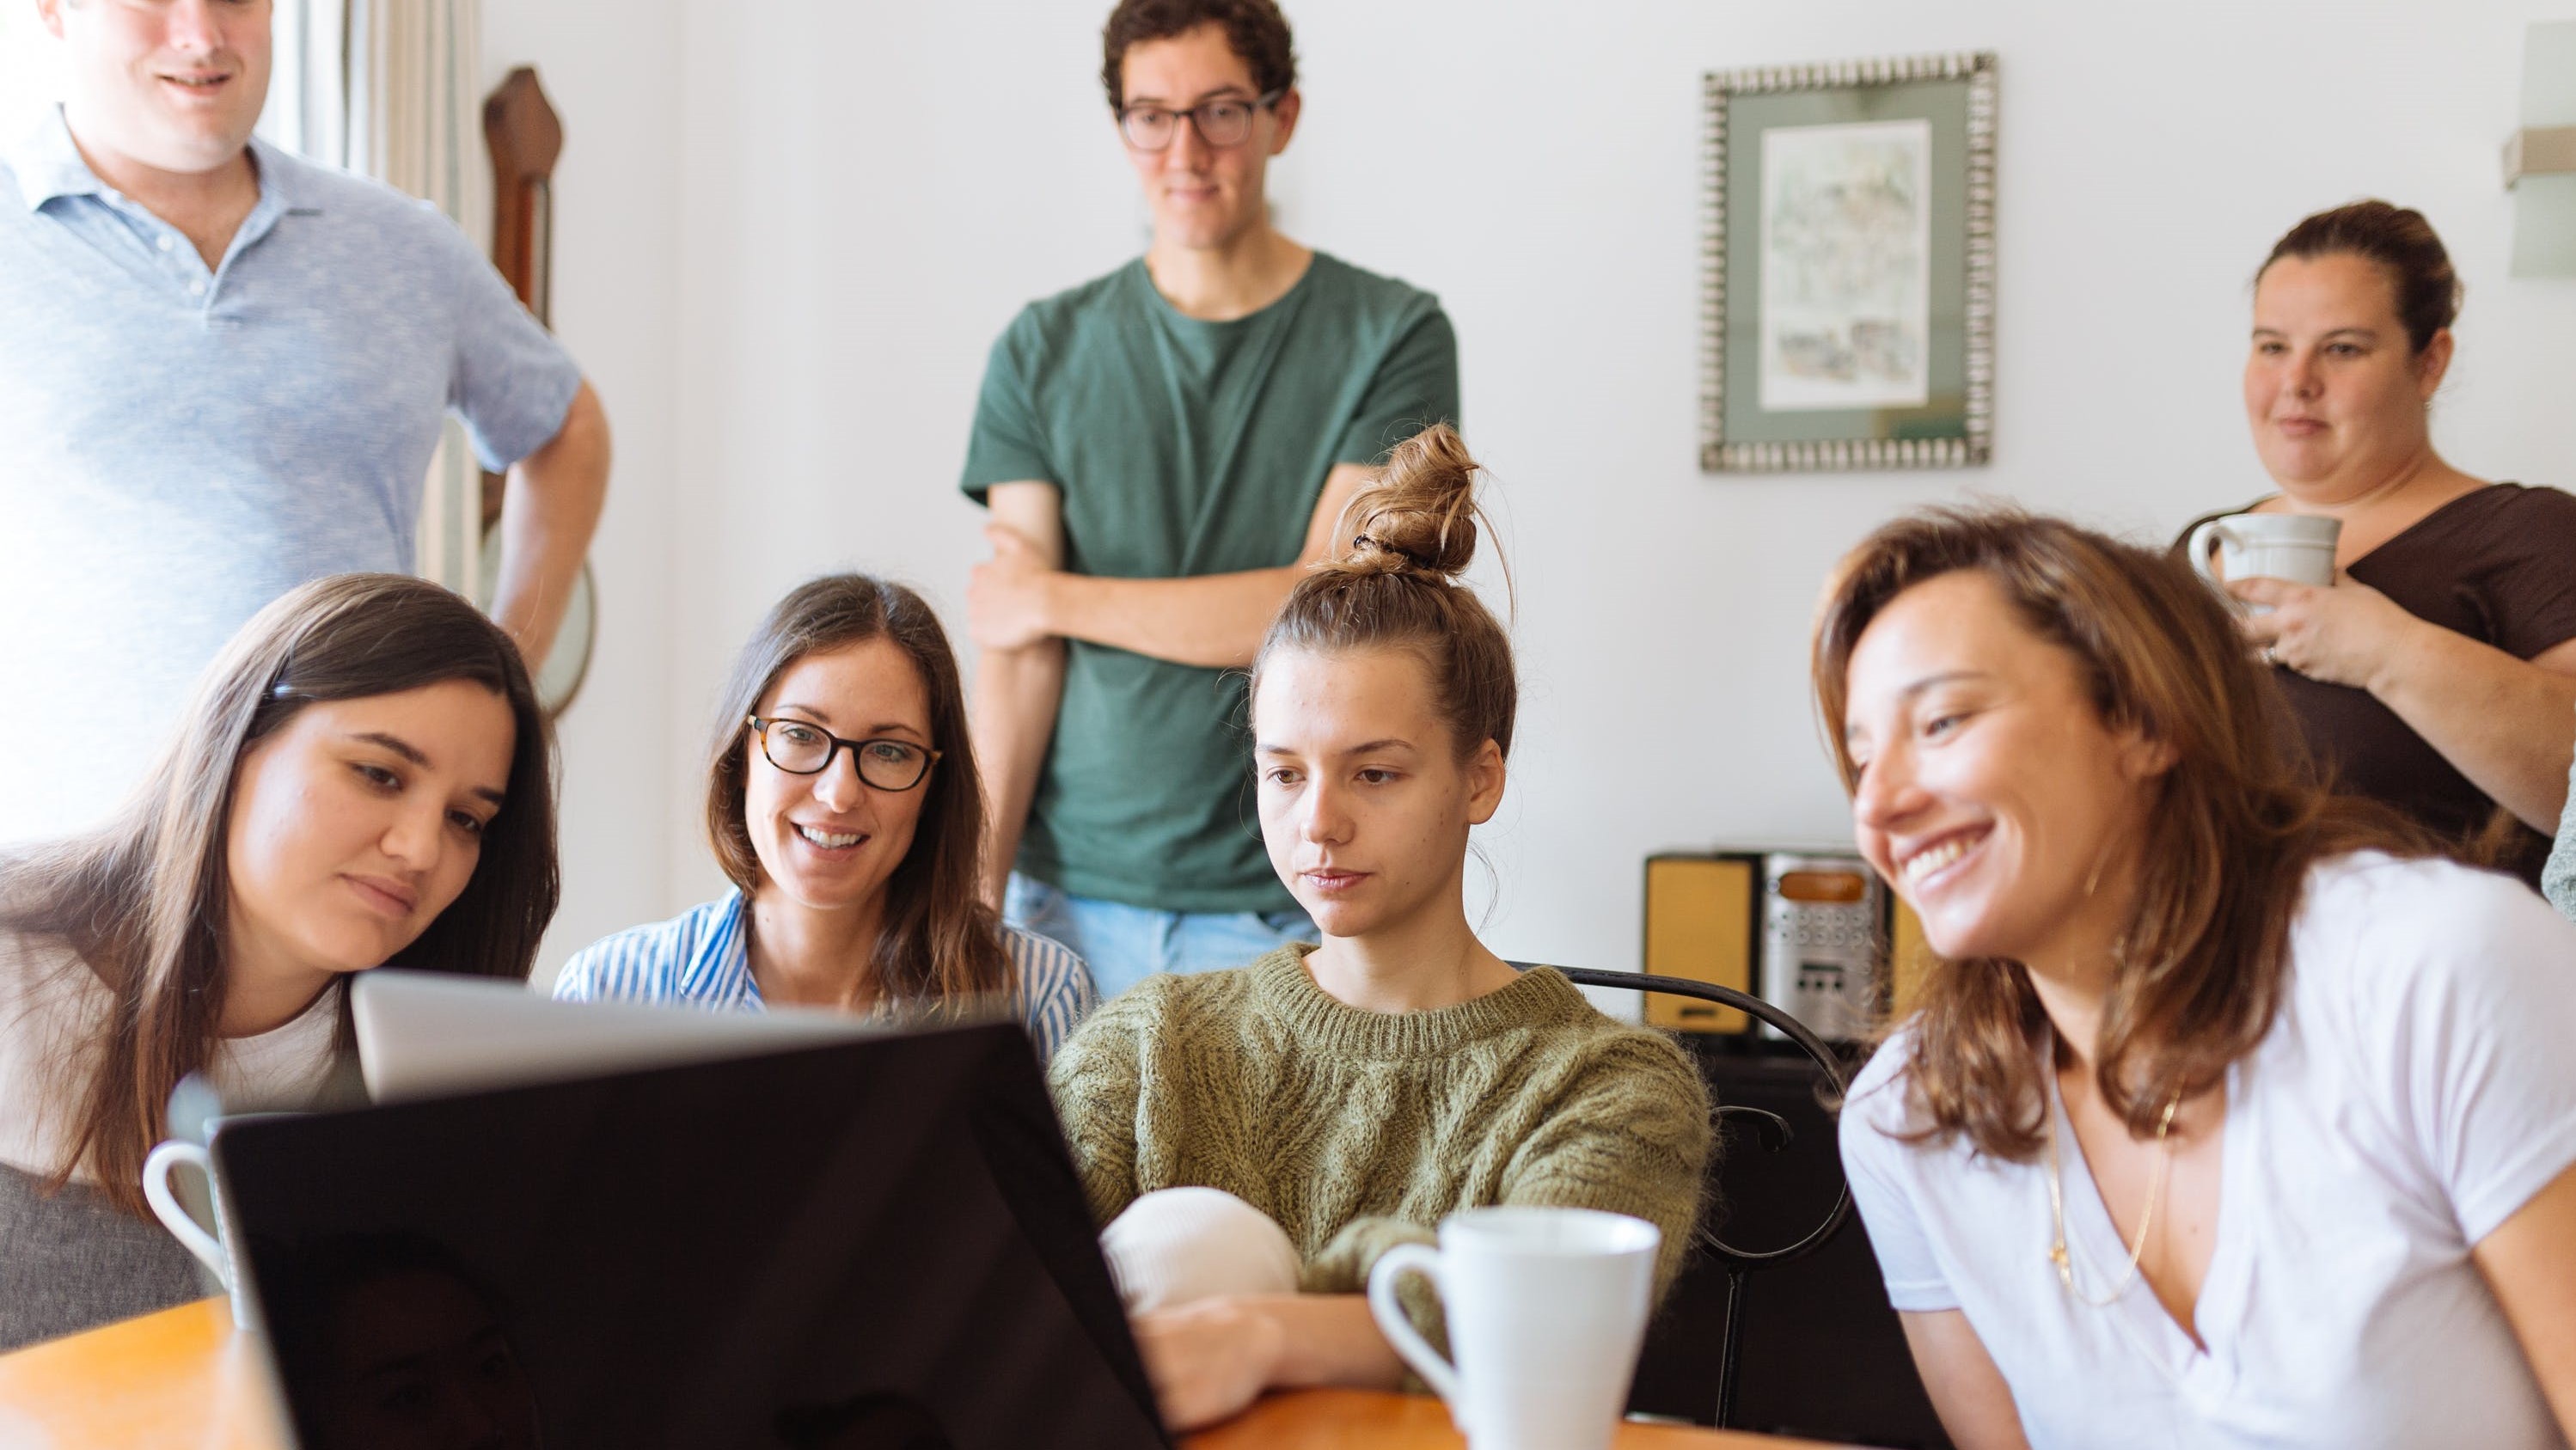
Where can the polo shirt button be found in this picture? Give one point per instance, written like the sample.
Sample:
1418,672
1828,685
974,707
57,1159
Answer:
196,289
165,244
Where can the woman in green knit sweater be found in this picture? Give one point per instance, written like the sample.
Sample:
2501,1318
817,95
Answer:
1354,1093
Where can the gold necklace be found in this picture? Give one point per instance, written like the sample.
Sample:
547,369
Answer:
2146,1220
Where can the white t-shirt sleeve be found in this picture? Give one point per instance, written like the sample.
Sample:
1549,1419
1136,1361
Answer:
2463,1012
1886,1182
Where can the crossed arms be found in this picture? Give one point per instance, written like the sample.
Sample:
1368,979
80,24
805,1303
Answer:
1022,606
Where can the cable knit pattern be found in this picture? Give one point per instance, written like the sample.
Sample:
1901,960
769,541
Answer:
1361,1130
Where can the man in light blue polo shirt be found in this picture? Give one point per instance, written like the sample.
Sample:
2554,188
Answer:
223,370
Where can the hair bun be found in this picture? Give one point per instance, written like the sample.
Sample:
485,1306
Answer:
1420,514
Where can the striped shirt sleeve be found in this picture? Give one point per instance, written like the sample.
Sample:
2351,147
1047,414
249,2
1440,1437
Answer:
640,964
1053,991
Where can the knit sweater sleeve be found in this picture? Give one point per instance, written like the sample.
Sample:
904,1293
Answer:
1097,1079
1631,1135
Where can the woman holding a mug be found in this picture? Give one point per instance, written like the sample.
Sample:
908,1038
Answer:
361,779
843,803
2437,672
2228,1115
1256,1138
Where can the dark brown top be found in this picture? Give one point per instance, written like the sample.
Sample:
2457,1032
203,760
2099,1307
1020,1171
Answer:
2497,564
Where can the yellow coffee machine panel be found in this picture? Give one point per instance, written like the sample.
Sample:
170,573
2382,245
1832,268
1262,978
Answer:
1910,960
1703,915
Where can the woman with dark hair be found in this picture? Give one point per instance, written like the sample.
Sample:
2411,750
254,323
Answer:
843,804
2229,1114
361,779
1254,1139
2438,672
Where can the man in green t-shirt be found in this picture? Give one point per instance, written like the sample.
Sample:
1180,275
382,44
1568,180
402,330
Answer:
1163,450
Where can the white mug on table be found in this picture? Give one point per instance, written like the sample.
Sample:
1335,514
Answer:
213,1247
2296,547
1546,1309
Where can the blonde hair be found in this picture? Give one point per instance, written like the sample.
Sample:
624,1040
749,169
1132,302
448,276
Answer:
1396,586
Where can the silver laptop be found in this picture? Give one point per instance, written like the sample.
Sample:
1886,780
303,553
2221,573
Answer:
431,1034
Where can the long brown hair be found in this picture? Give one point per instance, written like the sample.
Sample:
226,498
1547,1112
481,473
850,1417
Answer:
939,942
1396,585
2234,827
143,901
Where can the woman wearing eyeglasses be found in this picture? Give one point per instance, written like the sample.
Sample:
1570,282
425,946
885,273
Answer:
842,802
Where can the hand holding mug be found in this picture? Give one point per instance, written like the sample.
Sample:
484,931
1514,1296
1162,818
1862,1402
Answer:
2345,635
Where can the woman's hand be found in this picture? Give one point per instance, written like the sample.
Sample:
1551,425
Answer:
1209,1359
2344,635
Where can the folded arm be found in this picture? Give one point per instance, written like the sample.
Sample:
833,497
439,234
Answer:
1023,595
1017,688
2501,721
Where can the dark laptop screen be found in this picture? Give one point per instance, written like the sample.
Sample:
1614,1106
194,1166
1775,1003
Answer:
873,1244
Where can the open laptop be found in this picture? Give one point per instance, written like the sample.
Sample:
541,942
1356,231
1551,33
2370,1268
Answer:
879,1242
430,1034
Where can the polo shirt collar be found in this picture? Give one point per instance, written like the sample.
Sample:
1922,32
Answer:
49,165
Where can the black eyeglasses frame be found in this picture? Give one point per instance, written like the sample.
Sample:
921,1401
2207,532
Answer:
760,732
1197,120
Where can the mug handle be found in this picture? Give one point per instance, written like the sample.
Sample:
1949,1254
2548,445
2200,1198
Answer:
1398,1327
166,1206
2198,548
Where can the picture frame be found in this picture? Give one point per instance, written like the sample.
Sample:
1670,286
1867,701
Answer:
1849,267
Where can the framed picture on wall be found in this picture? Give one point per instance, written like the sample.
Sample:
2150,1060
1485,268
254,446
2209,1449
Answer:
1850,283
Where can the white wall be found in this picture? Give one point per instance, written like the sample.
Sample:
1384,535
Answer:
864,194
614,76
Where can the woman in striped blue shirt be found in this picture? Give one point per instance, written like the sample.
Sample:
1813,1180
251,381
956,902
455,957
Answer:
843,803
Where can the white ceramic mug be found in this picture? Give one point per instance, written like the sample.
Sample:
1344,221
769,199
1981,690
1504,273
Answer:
2296,547
1547,1310
213,1248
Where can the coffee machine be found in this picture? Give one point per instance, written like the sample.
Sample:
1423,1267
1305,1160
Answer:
1813,932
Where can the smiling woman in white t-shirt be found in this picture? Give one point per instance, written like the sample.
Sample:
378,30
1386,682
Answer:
2228,1116
362,778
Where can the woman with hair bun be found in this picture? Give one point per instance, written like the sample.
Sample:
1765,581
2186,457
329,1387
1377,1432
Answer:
2438,673
1261,1135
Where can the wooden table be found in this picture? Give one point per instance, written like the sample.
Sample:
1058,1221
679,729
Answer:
181,1380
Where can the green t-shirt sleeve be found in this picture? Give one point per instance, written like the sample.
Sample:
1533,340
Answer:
1009,442
1415,387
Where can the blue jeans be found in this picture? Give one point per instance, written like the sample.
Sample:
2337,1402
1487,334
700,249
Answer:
1125,944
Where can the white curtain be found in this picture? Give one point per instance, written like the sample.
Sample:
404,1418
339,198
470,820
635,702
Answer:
393,89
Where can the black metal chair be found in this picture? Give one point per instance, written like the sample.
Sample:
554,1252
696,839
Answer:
1770,1128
